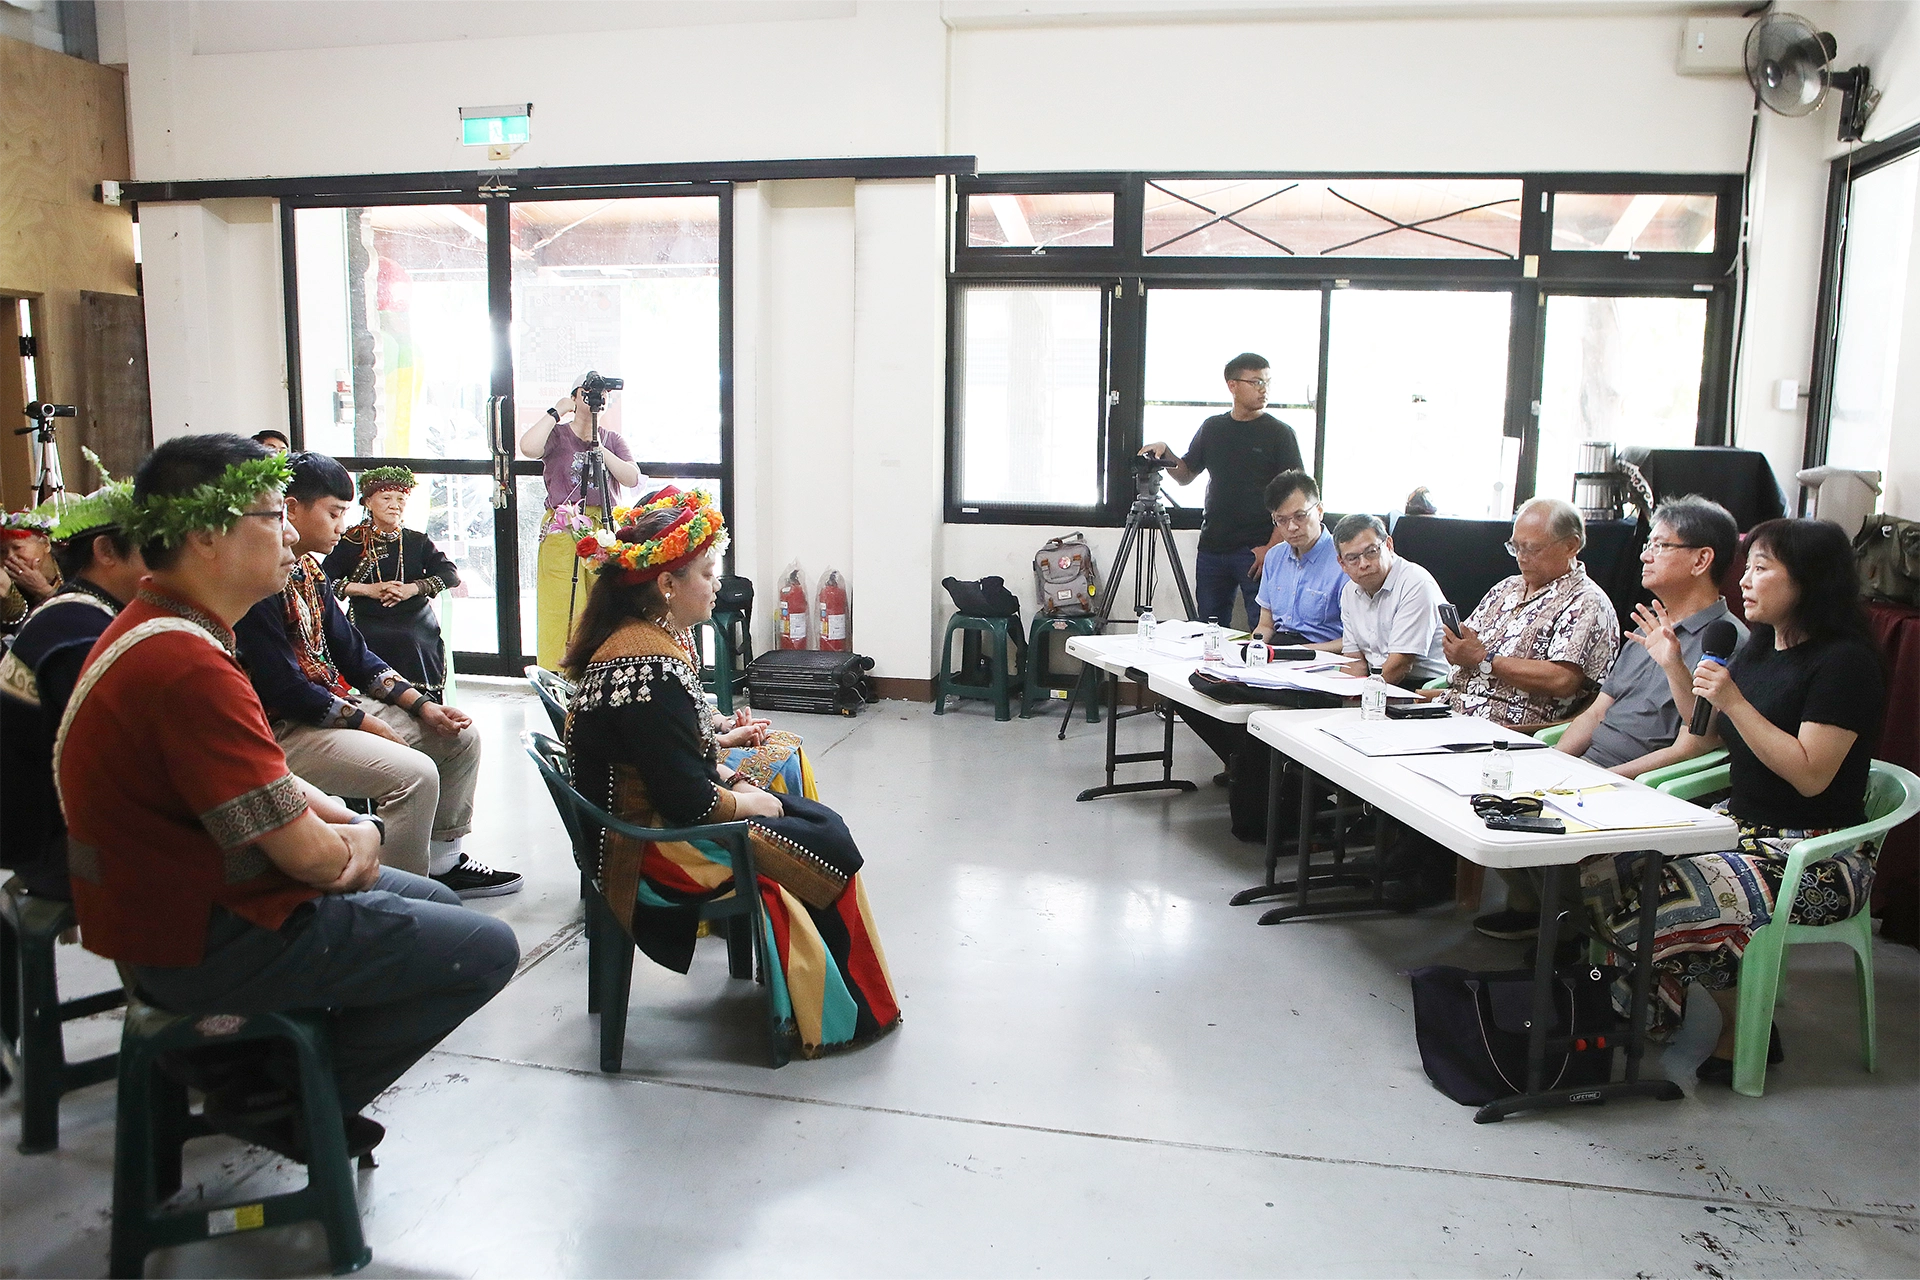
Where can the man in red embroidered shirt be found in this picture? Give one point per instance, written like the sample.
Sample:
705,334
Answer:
225,882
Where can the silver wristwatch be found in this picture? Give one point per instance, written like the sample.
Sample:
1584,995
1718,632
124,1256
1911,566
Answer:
1486,666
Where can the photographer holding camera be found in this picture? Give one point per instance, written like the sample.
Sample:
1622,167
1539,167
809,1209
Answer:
1243,449
580,463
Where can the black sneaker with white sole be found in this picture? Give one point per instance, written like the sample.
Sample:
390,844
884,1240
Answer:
471,879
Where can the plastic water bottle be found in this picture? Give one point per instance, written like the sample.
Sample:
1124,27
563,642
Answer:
1210,648
1144,632
1256,653
1373,699
1497,775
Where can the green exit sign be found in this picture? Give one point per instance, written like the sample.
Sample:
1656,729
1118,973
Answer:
508,125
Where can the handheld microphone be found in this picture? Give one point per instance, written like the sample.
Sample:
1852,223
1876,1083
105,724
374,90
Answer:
1716,645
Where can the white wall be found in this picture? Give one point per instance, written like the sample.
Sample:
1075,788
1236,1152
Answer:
839,294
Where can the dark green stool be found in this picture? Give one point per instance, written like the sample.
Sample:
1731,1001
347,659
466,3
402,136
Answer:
32,1045
983,673
1043,681
732,653
154,1124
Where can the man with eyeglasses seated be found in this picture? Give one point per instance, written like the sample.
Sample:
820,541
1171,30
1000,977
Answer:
1633,722
224,882
1301,582
1389,608
1539,643
1241,450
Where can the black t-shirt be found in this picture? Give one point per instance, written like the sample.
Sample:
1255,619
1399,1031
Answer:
1240,458
1836,682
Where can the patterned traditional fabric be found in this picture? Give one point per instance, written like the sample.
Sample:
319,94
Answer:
641,740
1711,903
1568,620
306,626
406,635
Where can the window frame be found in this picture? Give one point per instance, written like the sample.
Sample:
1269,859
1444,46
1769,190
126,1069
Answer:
1536,271
1857,163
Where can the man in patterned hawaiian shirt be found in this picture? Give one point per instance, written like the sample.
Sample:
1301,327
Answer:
1540,642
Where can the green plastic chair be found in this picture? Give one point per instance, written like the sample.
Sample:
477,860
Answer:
610,955
1652,777
1893,796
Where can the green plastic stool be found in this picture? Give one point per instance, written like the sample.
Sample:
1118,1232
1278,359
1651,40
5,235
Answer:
982,675
154,1124
732,653
32,1045
1043,682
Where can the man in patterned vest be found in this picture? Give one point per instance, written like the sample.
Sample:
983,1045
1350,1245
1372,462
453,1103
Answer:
225,883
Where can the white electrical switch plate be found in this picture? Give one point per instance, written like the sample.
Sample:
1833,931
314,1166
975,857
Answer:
1713,46
1786,395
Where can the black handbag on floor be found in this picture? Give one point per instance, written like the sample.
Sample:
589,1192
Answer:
1472,1030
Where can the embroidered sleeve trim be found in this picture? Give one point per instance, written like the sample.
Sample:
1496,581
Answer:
17,681
431,587
245,818
342,715
387,685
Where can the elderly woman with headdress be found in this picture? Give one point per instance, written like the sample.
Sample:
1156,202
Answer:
391,575
645,745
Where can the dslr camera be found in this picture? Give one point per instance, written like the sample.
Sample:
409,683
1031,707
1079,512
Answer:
595,387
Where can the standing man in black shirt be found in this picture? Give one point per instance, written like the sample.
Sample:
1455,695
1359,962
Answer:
1243,449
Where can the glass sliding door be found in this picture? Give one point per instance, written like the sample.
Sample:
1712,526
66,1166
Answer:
417,324
1416,396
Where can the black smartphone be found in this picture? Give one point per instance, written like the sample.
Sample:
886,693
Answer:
1450,617
1534,826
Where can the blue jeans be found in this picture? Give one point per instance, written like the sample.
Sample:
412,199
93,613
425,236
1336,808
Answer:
400,964
1216,576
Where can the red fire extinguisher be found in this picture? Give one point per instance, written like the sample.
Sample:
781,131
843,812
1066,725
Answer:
793,609
836,616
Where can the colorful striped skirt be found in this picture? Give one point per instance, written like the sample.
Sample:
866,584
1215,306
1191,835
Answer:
826,966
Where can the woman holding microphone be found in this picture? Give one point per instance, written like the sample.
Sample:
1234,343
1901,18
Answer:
1798,709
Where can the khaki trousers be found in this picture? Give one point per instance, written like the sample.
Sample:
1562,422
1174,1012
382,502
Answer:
424,789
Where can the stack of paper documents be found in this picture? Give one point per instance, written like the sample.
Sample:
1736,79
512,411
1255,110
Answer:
1425,737
1317,676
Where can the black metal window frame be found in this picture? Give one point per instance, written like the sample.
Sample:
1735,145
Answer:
1536,272
500,322
1841,173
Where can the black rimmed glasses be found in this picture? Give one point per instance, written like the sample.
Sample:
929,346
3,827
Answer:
278,515
1657,546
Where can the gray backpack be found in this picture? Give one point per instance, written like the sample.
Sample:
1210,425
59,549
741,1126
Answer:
1065,580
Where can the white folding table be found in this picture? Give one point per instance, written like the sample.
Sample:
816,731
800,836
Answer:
1448,817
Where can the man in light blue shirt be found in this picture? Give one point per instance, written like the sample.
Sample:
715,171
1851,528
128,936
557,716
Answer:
1301,580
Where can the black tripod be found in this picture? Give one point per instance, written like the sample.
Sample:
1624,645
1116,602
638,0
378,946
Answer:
1149,512
47,480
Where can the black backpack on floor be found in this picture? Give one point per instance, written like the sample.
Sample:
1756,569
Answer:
1472,1030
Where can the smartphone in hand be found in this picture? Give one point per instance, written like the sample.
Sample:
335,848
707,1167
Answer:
1450,617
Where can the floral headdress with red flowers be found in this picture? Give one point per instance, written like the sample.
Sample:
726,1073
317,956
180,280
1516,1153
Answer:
380,479
697,526
21,525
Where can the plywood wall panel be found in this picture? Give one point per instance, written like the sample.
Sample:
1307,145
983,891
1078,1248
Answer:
66,130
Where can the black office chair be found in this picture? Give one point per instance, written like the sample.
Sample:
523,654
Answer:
609,958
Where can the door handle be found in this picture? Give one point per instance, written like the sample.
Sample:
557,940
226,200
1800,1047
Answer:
499,446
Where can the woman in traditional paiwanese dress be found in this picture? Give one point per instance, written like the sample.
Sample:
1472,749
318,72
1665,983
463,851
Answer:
391,574
645,746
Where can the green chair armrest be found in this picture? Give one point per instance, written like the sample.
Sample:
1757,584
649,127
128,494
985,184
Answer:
1680,769
1551,734
1699,783
1438,682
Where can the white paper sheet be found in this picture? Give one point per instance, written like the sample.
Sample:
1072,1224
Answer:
1626,809
1419,737
1532,771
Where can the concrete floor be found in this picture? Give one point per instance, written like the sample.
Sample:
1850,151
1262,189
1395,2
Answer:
1105,1070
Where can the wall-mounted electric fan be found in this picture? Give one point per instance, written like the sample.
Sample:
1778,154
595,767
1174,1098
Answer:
1790,65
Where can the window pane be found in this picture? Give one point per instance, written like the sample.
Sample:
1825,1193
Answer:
457,513
1340,217
1624,370
1066,219
1416,395
1030,412
1646,223
1873,283
393,330
630,288
1192,333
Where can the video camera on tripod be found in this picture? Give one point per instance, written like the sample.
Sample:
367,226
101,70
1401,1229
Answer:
47,479
595,387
